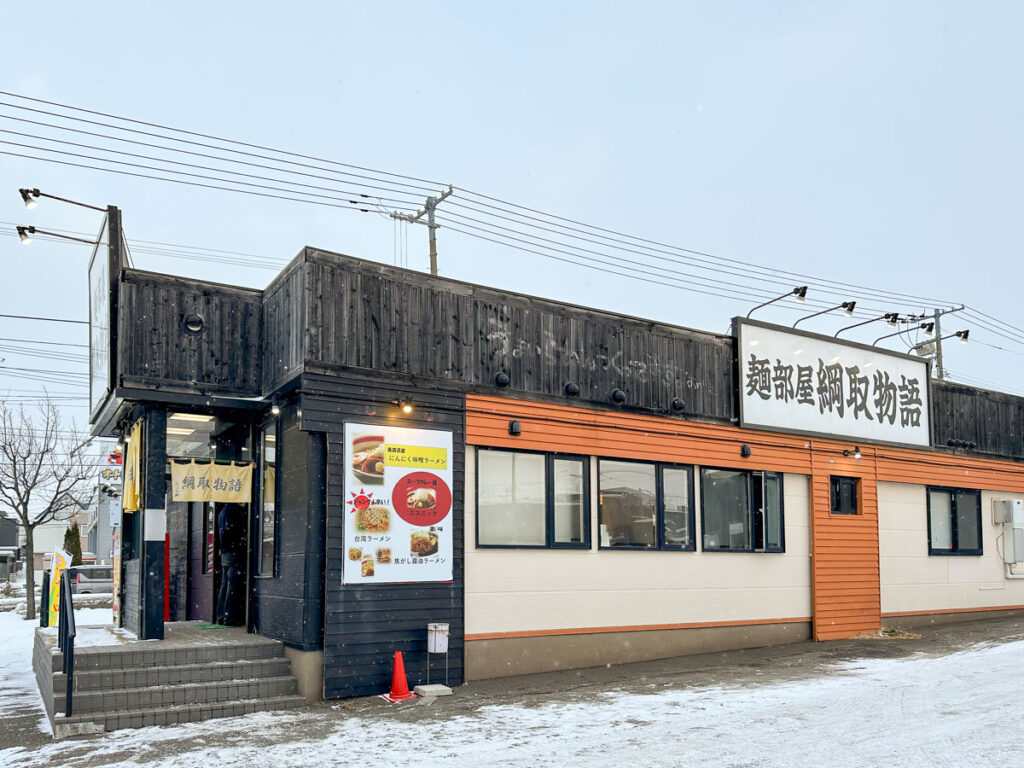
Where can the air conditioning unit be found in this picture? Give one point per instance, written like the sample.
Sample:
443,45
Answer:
1010,513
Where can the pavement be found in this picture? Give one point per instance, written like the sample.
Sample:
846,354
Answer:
732,669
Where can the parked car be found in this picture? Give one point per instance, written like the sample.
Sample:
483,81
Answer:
90,579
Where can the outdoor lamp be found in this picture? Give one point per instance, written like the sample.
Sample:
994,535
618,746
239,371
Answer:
23,234
846,306
962,335
800,292
29,197
928,328
406,407
855,452
891,318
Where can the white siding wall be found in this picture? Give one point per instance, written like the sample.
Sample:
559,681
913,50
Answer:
510,590
913,580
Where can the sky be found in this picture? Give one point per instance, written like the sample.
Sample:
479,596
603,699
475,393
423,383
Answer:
833,144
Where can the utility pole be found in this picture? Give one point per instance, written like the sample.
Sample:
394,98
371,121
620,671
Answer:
940,372
417,218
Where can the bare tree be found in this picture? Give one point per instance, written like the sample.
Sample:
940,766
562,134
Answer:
44,475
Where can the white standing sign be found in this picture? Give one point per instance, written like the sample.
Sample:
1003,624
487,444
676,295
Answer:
398,505
800,382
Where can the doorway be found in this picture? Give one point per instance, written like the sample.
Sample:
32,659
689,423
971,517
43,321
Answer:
202,559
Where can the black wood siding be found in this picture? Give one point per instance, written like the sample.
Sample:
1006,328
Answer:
365,625
288,606
367,315
285,326
993,421
155,352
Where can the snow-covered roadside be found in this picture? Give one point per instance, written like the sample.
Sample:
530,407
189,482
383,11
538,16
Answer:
949,710
17,683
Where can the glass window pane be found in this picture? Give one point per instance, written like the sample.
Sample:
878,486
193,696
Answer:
627,512
510,498
772,511
968,537
268,500
570,501
676,501
726,509
940,519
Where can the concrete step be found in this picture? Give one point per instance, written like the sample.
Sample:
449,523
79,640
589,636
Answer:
178,695
141,677
137,655
96,722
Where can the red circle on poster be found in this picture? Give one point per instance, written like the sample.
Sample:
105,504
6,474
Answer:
421,498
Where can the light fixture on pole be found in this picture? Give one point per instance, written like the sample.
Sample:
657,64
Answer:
25,233
891,318
961,335
800,292
30,198
846,306
928,328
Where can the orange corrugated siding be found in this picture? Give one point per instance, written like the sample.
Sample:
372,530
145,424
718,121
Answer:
846,597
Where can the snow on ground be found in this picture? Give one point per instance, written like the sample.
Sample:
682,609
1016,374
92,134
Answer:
950,710
17,682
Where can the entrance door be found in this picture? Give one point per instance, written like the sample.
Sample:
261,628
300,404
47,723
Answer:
201,559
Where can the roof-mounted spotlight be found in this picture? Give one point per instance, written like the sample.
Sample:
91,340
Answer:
29,196
928,328
24,234
846,306
275,410
960,335
405,406
800,292
891,319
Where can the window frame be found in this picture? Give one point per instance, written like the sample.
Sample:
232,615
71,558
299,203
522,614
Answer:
954,550
832,483
260,572
549,500
750,474
659,506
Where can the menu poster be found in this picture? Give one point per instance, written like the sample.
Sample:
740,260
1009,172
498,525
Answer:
398,505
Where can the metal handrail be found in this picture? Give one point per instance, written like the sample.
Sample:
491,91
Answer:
44,601
66,636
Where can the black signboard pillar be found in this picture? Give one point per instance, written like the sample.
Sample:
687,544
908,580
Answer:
154,524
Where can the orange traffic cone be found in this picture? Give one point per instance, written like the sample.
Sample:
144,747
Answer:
399,685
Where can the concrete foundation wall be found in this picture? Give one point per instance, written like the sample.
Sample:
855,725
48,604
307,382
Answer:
527,655
308,670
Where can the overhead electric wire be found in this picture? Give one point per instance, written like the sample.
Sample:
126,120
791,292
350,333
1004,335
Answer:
974,311
520,215
48,343
48,319
209,136
691,251
409,205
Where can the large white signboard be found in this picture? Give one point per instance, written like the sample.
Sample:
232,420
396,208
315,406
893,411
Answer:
398,511
808,383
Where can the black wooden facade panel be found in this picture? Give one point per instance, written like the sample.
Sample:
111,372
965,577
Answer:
365,625
994,422
154,349
284,318
393,320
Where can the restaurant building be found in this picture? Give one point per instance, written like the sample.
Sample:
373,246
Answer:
564,487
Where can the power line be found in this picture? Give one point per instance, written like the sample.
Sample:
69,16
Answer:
47,319
430,184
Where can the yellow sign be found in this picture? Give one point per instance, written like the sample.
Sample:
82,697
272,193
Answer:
207,481
58,563
415,456
130,493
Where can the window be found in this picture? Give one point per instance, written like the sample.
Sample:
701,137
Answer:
645,506
844,492
741,511
954,521
532,500
268,500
